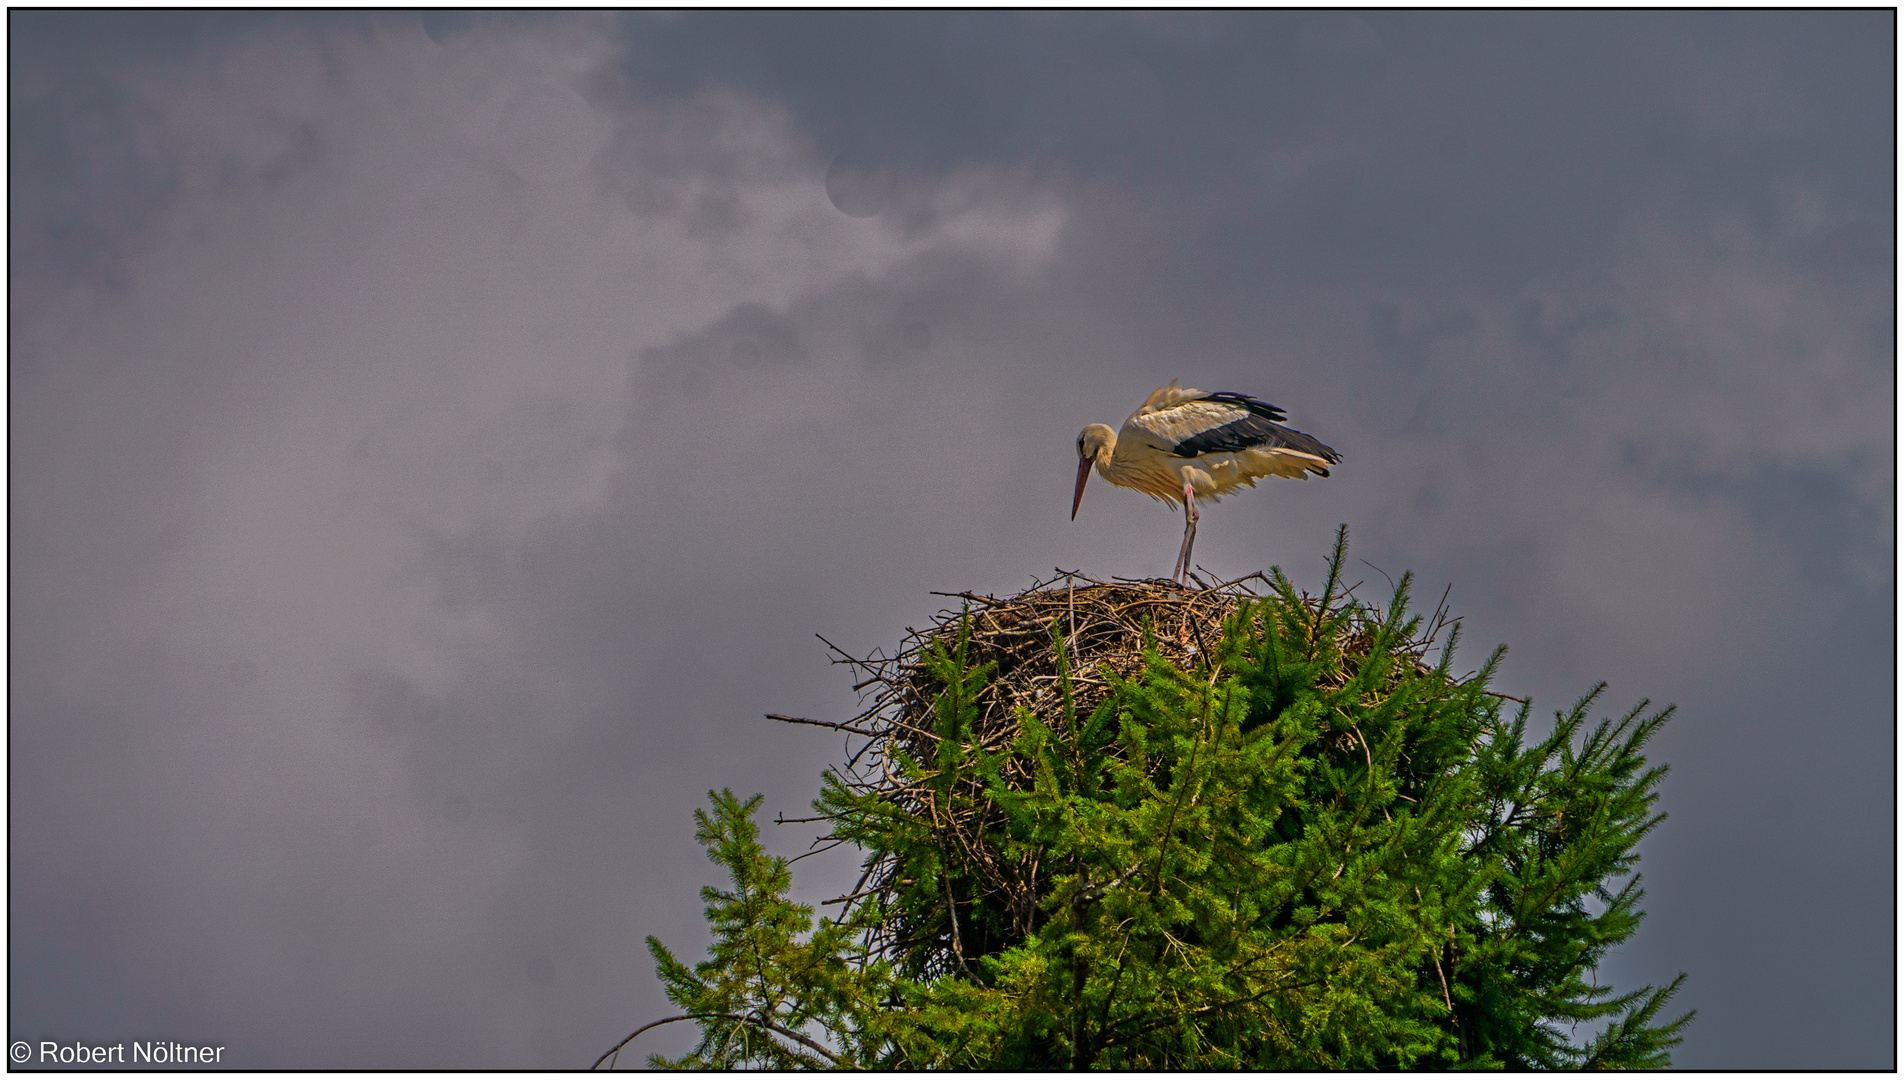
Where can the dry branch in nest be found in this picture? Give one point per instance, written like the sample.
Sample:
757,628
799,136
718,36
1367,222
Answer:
1105,627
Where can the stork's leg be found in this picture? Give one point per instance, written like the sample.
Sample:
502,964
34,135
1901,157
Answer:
1189,532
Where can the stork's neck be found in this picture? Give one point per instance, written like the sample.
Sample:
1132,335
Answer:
1117,470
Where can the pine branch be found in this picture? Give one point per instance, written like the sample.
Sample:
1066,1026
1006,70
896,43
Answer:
737,1018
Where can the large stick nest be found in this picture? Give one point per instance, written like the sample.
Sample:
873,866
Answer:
1105,625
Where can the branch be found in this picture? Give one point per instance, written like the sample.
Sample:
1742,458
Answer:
851,896
1206,1010
974,597
829,847
1238,581
846,657
952,913
735,1017
848,728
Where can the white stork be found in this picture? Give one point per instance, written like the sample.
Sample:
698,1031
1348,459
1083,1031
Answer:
1184,445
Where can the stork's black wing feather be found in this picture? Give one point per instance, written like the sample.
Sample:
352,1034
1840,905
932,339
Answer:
1258,428
1243,401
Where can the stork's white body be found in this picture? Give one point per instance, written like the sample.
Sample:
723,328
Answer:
1183,445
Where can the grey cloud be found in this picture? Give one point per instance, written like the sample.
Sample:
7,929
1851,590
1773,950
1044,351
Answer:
891,322
746,337
93,168
686,158
879,323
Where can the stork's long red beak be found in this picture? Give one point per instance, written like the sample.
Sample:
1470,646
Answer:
1084,473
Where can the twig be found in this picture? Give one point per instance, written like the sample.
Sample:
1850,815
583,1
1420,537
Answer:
1258,575
988,601
1071,602
848,728
1445,996
846,657
827,848
1203,651
852,896
952,912
735,1017
1379,570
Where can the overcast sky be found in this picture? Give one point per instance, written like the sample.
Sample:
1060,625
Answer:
435,442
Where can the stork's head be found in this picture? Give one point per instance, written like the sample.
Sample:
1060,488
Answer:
1095,444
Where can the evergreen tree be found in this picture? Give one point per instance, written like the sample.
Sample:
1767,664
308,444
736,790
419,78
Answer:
1308,848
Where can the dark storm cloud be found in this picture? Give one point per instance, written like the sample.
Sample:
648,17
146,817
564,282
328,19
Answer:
445,434
92,167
